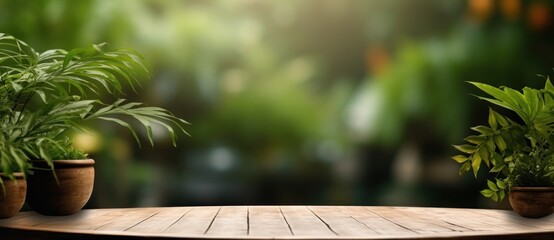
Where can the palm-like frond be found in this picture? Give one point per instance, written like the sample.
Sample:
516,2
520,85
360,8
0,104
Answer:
43,95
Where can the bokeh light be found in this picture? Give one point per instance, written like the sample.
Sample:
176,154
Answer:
298,102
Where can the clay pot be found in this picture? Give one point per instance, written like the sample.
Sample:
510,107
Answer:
13,198
532,202
65,197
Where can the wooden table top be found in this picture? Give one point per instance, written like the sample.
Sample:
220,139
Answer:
279,222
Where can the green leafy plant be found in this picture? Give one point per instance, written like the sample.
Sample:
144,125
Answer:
65,150
517,153
45,95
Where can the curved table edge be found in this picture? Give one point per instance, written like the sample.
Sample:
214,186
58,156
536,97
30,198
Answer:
17,233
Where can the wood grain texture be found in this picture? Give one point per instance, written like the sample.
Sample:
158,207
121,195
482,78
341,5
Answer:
279,222
268,221
197,221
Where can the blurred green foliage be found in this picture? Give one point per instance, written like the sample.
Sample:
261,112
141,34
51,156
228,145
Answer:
314,101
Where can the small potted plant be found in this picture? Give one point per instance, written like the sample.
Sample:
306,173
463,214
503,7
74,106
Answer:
67,190
12,158
518,153
12,181
53,92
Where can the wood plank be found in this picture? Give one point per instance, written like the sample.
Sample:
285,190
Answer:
267,221
380,225
194,222
342,224
90,219
231,221
129,219
460,218
304,222
502,221
22,215
161,221
423,214
411,222
31,220
544,222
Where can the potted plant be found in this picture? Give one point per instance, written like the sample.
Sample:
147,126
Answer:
12,195
12,181
67,190
53,92
518,153
12,158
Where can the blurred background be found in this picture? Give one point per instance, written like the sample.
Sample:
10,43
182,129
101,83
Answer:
299,102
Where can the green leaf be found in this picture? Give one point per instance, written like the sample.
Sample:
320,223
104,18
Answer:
501,195
124,124
147,125
533,103
41,95
483,129
460,158
522,107
475,139
465,167
508,159
492,120
19,157
500,119
487,192
497,168
16,87
500,184
506,98
466,148
494,196
500,142
490,144
548,85
491,185
484,153
476,163
502,98
172,134
43,153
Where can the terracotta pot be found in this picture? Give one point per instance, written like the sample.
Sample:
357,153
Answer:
13,198
65,197
532,202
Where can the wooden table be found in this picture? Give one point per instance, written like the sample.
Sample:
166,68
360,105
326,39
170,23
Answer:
279,222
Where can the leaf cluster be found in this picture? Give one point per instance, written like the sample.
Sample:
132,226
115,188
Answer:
516,153
44,95
65,150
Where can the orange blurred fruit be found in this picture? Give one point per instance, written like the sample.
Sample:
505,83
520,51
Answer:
510,8
480,10
539,15
377,59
